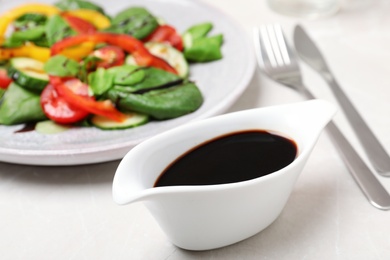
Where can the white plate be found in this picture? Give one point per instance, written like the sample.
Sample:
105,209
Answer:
221,83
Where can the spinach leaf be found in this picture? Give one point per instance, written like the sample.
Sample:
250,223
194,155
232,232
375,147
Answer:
145,79
2,91
57,29
11,42
29,20
195,32
205,49
31,34
20,106
28,27
100,81
66,5
127,75
61,66
135,21
198,47
161,103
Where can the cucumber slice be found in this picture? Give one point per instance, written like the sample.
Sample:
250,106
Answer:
28,73
50,127
171,55
132,120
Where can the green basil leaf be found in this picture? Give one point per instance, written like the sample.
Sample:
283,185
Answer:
57,29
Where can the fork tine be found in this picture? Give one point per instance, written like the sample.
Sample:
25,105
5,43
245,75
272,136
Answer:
284,51
271,46
265,43
276,58
269,33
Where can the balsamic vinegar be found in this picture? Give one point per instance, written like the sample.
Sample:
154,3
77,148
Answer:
230,158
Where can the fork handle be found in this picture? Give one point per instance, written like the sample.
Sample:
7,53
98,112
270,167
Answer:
374,149
364,177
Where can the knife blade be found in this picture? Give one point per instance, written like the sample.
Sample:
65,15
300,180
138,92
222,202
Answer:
310,53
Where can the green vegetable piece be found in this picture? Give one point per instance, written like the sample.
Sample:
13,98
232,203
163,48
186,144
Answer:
152,78
100,81
50,127
78,4
11,42
127,75
28,73
57,29
61,66
196,32
28,27
135,21
29,20
131,120
162,103
205,49
30,34
2,91
20,106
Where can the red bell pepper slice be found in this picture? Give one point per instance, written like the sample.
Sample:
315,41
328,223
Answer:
81,26
129,44
4,79
168,34
83,102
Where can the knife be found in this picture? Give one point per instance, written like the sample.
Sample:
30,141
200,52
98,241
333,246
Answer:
309,52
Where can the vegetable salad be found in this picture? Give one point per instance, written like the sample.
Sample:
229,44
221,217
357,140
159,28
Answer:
71,63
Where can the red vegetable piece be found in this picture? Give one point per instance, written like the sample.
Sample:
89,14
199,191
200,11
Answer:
110,56
58,109
4,79
129,44
71,91
166,34
81,26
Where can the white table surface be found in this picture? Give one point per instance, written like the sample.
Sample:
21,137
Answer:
68,212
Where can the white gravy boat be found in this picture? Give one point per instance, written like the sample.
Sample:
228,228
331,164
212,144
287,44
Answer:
211,216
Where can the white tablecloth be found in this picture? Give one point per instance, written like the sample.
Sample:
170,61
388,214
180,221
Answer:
68,212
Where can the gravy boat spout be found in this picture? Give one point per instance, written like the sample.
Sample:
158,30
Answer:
202,217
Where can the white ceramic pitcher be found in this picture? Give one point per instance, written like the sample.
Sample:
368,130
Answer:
212,216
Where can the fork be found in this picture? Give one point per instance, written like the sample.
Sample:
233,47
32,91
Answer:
278,61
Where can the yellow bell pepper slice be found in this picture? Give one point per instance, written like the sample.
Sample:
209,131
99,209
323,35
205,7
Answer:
99,20
43,54
9,16
29,50
80,51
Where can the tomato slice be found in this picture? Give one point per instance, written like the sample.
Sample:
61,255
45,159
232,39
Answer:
58,109
166,34
110,56
125,42
80,25
71,92
4,79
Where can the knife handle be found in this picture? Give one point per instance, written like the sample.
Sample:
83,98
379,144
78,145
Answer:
364,177
373,148
368,183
